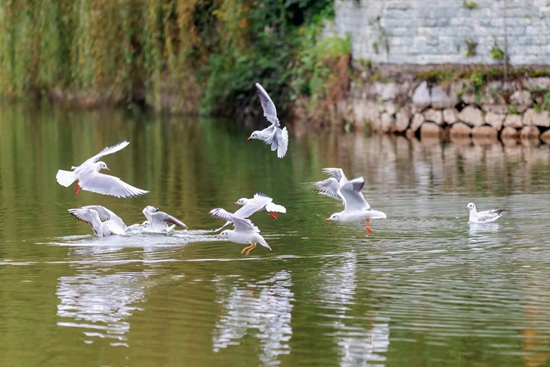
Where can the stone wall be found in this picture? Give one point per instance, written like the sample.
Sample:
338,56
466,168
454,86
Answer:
458,109
445,31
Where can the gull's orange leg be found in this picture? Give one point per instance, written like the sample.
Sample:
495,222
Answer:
77,188
246,248
273,215
252,247
368,226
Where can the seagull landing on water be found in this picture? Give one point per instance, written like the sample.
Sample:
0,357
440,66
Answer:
257,203
158,221
245,231
327,187
88,178
356,207
486,216
103,221
272,135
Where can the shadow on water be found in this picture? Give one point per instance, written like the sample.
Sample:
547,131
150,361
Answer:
425,288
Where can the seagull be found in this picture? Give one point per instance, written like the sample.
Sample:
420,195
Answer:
486,216
324,187
94,214
356,207
88,178
245,231
158,221
272,135
258,202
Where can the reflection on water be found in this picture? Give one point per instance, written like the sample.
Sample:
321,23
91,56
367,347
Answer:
426,288
261,310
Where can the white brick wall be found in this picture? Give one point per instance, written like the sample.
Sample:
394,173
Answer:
435,31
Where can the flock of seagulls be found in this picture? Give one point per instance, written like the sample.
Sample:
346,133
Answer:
104,222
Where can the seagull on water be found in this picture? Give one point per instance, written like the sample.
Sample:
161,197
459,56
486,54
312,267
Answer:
103,221
257,203
486,216
356,207
245,231
88,178
158,221
272,135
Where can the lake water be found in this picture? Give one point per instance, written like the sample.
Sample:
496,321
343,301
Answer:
425,289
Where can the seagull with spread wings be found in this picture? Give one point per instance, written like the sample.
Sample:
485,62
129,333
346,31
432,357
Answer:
356,207
158,221
245,231
88,178
272,135
103,221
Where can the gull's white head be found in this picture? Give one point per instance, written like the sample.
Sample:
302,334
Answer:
334,218
254,135
224,234
145,224
152,209
471,206
101,165
241,201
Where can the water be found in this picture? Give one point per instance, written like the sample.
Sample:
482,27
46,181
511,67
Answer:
426,288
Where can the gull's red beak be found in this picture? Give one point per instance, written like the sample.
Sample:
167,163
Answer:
107,168
249,139
328,219
235,203
217,236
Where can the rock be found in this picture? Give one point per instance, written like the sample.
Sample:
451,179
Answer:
532,117
421,95
365,111
440,99
521,98
460,129
417,121
429,130
469,98
450,115
386,122
495,120
385,91
509,132
545,137
471,116
409,134
433,116
500,109
389,107
536,83
485,131
529,132
402,120
513,121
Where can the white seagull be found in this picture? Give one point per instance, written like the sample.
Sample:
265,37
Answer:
486,216
250,206
245,231
158,221
356,207
94,214
88,178
272,135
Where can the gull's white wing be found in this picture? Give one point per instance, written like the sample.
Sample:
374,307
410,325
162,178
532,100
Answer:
262,196
114,228
162,218
353,198
281,138
270,112
250,208
337,173
489,215
87,216
105,214
272,207
241,224
91,180
329,187
107,151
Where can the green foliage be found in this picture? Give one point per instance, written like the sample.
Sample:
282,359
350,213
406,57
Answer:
496,52
545,105
471,48
469,4
512,111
